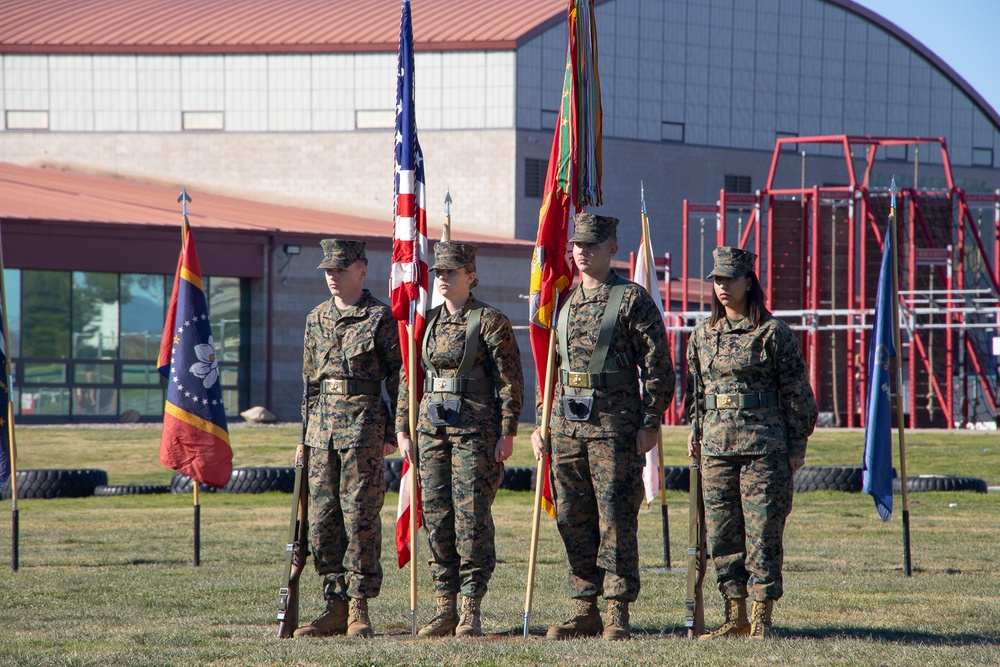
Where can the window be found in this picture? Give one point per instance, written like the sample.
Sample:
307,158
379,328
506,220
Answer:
550,118
534,177
85,344
738,184
672,132
982,157
203,120
787,147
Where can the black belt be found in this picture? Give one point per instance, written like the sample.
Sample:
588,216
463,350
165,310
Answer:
459,385
350,387
740,401
597,380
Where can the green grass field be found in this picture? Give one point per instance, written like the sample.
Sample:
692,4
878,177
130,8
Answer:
109,580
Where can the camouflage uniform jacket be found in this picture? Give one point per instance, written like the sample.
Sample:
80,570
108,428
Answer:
737,358
497,351
639,334
359,342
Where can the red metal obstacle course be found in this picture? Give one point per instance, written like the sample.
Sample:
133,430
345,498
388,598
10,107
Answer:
820,250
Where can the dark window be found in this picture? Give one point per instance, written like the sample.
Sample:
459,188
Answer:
534,177
789,147
738,184
672,132
982,157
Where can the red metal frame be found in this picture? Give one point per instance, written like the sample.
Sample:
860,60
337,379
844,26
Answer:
863,229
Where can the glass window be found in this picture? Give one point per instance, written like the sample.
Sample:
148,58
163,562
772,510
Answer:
95,315
144,401
224,310
93,373
133,374
44,373
45,319
142,308
47,401
95,401
12,289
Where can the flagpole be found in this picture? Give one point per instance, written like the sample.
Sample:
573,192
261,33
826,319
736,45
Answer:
11,443
648,259
414,508
536,511
907,562
446,232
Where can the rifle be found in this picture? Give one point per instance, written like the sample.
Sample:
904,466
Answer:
297,547
694,603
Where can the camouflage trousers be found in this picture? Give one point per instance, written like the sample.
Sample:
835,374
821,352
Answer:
747,499
597,488
346,492
459,478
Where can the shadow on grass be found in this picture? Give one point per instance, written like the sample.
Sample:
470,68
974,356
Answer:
891,635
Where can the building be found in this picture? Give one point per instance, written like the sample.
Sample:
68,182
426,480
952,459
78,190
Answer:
291,103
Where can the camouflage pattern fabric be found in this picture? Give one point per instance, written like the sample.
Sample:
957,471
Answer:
498,351
361,342
747,499
346,493
737,358
639,334
745,472
597,488
346,481
459,477
596,472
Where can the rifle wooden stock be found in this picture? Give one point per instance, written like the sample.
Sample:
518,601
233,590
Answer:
694,603
297,547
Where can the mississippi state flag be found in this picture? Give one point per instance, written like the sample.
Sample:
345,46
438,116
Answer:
408,278
195,438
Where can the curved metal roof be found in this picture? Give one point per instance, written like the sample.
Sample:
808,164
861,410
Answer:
317,26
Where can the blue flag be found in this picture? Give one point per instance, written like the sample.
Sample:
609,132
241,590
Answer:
195,437
876,472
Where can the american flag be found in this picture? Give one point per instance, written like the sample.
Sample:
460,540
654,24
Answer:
408,279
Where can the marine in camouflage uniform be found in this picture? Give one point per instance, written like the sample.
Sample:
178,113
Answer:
458,467
759,413
348,353
595,466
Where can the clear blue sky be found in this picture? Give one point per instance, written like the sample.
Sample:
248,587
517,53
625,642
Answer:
963,33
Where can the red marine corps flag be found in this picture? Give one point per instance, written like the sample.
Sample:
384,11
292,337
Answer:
408,280
573,178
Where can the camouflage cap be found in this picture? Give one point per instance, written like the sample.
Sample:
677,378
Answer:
449,256
590,228
732,262
341,253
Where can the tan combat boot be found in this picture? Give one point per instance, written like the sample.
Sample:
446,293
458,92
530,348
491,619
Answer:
586,623
617,627
737,624
360,625
332,622
760,620
444,623
469,623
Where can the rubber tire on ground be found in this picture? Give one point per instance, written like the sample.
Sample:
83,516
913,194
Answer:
243,480
517,478
677,478
393,471
922,483
56,483
828,478
131,489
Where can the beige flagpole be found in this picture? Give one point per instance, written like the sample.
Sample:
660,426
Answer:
648,259
536,512
414,508
11,443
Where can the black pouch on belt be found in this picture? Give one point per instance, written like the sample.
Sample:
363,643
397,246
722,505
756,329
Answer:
577,408
444,413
